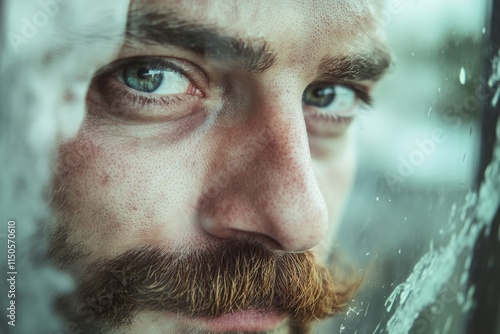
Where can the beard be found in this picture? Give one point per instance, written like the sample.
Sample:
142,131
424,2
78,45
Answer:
226,278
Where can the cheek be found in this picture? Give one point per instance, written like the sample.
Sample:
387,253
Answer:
339,179
335,178
84,191
115,196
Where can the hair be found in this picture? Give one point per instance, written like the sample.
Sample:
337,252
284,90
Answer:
232,276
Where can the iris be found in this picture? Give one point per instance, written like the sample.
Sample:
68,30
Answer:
319,95
143,77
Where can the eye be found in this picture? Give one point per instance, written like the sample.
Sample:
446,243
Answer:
155,78
331,101
149,89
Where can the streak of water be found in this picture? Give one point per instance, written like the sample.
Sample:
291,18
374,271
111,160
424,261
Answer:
436,267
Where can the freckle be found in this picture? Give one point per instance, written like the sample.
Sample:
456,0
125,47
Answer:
105,179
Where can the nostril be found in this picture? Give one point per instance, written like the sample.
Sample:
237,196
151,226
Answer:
257,238
219,230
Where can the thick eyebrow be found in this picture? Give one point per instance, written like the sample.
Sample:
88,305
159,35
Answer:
169,29
356,67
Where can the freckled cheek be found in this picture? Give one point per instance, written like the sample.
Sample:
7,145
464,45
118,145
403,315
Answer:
123,197
85,194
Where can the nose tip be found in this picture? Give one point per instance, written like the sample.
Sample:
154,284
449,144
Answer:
297,220
290,227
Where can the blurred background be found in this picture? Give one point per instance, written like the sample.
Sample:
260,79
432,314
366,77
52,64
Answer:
408,223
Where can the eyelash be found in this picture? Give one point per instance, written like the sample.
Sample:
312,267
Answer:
143,101
365,97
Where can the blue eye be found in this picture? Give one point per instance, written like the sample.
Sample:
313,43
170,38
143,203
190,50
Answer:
149,77
142,77
331,100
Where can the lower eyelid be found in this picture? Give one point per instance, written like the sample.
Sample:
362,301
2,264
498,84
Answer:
351,113
331,118
319,127
143,100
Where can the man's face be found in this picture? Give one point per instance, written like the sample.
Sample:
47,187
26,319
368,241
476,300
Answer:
220,128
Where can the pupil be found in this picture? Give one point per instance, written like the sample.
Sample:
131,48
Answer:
320,92
321,96
143,73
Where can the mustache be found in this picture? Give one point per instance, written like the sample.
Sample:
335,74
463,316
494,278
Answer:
232,277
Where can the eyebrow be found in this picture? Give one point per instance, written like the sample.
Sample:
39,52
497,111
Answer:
358,66
168,28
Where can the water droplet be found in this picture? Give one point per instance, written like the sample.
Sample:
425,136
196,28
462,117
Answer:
484,30
399,251
429,113
367,253
462,76
377,198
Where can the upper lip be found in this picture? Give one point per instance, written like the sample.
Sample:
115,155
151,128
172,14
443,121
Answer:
246,321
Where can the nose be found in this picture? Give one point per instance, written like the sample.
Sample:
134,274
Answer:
261,182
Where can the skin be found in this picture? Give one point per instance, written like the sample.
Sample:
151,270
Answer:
240,158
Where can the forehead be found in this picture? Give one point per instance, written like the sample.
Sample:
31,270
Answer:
296,29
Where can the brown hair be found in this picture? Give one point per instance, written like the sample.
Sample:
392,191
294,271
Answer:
231,277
